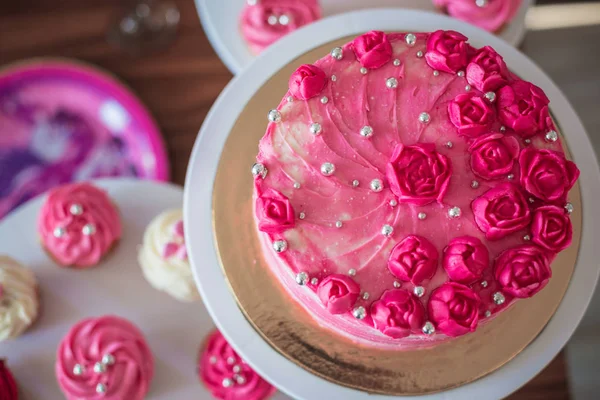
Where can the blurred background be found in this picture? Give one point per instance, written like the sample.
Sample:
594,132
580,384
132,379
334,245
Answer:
160,51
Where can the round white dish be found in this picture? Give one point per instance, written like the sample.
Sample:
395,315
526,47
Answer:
174,330
220,20
213,286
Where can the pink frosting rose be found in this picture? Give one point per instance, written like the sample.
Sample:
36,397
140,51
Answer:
373,49
398,313
523,107
413,259
487,71
465,259
501,211
418,174
307,81
274,212
471,114
493,155
522,271
551,228
454,309
447,51
338,293
547,174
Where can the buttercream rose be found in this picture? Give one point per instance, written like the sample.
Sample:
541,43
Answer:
454,309
338,293
493,155
487,70
465,259
447,51
523,107
274,212
551,228
8,386
522,271
471,114
501,211
398,313
307,81
373,49
418,174
413,259
546,174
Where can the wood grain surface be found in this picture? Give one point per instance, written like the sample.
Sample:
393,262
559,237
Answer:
180,84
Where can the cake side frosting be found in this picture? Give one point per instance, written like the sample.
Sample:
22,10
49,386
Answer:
491,15
425,173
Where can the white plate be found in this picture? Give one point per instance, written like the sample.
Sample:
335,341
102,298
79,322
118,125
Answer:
221,304
220,19
174,330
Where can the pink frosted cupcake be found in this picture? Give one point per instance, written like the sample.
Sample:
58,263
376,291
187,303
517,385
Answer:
104,358
490,15
78,225
264,21
226,375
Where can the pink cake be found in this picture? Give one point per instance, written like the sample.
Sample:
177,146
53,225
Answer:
409,188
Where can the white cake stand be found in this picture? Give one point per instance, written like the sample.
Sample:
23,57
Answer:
218,299
220,20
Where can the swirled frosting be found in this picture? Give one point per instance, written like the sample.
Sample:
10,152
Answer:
78,224
19,302
104,358
163,257
403,175
490,15
264,21
226,375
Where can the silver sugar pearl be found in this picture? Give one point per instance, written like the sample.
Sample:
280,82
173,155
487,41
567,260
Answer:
227,382
355,183
510,177
284,20
424,118
419,291
454,212
474,184
460,73
531,200
484,284
333,78
387,230
393,202
280,246
481,3
376,185
526,238
396,62
337,53
468,88
366,131
363,70
527,141
488,313
302,278
351,272
490,96
419,54
314,281
428,328
272,20
502,128
99,368
259,169
101,388
498,298
410,39
449,145
240,380
391,83
315,128
551,136
296,185
78,369
436,73
569,208
237,369
327,169
290,99
421,216
338,224
397,284
302,215
365,296
324,99
213,360
76,209
359,312
274,116
59,232
230,360
88,229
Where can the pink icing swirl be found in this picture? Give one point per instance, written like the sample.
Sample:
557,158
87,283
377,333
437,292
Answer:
226,375
125,375
551,228
80,237
465,259
491,17
487,70
447,51
413,259
454,309
418,174
268,20
338,293
523,107
471,114
398,313
547,174
522,271
373,49
274,211
177,247
493,155
307,82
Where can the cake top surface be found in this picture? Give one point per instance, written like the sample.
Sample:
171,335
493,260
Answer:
412,184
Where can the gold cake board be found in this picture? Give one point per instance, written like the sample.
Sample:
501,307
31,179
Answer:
287,327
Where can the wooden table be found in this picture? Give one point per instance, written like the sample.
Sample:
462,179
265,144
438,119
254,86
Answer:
180,84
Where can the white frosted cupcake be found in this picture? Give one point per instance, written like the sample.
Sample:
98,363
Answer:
19,303
163,257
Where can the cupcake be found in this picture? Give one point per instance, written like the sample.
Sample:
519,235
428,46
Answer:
8,386
78,225
264,21
491,15
226,375
105,357
19,303
163,257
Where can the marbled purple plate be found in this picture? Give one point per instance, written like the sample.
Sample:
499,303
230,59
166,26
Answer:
62,121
